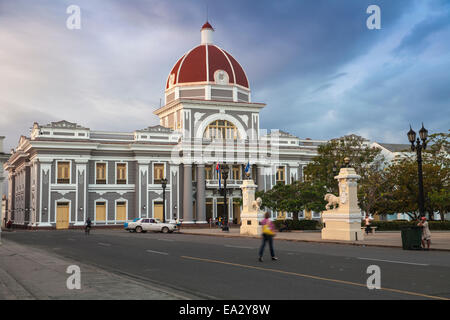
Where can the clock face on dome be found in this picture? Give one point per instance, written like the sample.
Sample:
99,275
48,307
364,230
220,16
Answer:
221,77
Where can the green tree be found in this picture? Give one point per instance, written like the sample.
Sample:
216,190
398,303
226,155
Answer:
295,197
383,188
366,160
438,155
363,158
311,196
440,200
399,188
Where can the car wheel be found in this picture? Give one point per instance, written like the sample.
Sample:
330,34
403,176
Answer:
138,229
165,230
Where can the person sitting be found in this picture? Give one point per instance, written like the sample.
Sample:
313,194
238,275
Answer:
285,226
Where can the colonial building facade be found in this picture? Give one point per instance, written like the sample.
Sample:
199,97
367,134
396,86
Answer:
64,173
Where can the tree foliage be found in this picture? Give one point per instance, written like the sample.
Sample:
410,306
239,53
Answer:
325,166
384,188
295,197
400,188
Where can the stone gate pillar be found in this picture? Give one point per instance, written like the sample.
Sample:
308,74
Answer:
344,222
251,215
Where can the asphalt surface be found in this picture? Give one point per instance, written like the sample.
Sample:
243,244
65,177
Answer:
227,268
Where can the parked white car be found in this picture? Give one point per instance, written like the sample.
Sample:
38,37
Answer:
149,224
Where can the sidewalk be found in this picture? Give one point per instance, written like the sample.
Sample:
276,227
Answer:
440,240
28,273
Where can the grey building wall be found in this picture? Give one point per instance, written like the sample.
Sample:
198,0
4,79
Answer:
70,197
81,194
111,198
143,195
45,195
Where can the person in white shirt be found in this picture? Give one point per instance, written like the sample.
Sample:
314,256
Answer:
426,234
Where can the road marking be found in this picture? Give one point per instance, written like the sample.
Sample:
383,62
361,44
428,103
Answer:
239,247
158,252
70,239
166,240
391,261
104,244
314,277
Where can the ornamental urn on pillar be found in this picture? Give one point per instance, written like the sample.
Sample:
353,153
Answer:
342,219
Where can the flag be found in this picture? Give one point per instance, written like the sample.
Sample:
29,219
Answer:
218,173
247,167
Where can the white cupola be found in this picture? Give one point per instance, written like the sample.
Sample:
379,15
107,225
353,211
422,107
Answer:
207,33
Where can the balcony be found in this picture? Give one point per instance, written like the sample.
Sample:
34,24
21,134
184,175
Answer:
231,183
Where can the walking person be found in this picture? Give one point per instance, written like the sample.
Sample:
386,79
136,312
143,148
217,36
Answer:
426,234
268,232
367,224
87,228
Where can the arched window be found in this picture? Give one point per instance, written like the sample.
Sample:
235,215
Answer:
221,129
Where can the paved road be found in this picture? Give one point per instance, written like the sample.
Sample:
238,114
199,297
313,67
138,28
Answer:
227,268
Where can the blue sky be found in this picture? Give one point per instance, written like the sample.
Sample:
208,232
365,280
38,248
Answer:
321,71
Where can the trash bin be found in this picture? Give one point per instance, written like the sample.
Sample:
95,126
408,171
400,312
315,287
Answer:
411,238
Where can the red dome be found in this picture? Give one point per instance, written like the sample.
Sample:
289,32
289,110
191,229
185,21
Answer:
200,64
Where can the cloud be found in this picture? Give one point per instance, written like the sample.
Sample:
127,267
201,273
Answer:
321,72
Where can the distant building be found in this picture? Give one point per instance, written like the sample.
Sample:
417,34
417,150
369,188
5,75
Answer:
3,158
393,151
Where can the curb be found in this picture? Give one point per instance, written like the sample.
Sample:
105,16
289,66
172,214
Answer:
310,241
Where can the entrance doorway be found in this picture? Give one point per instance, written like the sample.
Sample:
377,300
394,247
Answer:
220,207
100,211
158,210
121,211
236,212
62,215
209,209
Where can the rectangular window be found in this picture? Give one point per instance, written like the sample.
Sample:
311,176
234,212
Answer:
280,175
158,173
194,173
101,173
121,173
63,172
208,172
236,173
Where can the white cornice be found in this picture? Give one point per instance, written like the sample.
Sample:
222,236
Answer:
210,104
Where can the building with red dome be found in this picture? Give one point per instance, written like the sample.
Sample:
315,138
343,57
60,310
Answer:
63,173
202,79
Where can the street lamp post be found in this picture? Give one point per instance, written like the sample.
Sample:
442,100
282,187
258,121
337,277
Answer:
164,184
224,171
418,147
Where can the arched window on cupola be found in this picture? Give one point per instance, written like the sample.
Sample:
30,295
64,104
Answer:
221,129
